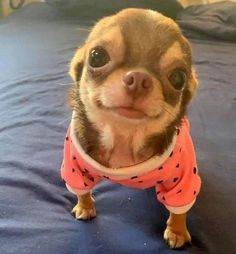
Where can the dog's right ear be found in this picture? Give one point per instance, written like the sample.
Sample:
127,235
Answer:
77,64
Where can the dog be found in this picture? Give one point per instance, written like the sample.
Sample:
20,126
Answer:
133,82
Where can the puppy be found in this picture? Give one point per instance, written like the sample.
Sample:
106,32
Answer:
133,81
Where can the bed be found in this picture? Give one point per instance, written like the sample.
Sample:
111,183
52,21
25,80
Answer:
36,45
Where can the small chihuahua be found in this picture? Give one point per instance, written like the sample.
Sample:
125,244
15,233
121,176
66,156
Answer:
133,81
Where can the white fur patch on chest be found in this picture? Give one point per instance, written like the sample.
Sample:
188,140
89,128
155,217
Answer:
119,172
107,138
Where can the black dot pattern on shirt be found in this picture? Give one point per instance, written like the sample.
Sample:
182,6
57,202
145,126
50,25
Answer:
91,179
180,149
85,171
175,179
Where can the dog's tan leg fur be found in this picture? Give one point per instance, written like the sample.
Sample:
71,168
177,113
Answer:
176,233
85,208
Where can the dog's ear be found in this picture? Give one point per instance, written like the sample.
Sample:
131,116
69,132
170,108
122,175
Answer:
77,64
193,83
191,88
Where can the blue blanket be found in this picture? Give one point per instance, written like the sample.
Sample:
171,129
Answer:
216,21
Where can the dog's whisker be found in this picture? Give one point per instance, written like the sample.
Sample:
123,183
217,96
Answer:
171,114
67,84
63,121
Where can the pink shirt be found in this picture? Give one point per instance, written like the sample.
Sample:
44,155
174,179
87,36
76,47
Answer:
176,180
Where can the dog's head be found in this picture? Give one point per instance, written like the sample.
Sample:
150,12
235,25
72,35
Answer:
134,70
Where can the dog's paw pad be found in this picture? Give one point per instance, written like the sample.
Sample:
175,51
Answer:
82,213
176,239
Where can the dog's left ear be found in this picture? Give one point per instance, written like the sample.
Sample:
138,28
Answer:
191,88
77,64
193,83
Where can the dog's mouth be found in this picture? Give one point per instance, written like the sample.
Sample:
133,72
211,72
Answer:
124,111
129,112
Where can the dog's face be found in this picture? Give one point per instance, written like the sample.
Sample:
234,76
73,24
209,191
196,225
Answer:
134,69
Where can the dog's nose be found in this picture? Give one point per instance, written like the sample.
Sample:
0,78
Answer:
137,83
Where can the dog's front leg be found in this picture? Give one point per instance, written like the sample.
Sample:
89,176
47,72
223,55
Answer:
176,233
85,208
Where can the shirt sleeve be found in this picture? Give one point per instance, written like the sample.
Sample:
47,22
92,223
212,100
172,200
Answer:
179,192
71,173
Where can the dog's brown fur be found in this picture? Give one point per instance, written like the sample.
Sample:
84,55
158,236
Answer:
136,40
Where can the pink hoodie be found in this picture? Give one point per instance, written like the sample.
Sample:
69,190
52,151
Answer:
174,175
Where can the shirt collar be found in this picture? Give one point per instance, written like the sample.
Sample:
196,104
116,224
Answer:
123,172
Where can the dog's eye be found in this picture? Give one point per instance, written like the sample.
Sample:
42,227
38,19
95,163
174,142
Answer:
98,57
178,79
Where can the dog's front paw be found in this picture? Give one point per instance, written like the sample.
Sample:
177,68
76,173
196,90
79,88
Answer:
82,213
176,239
